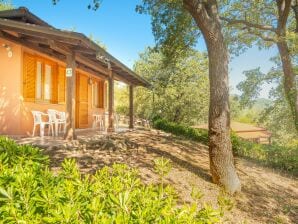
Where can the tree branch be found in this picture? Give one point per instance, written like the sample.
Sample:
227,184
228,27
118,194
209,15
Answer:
248,24
198,11
284,7
262,36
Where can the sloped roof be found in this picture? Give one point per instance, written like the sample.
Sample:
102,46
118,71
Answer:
246,131
22,14
23,27
254,134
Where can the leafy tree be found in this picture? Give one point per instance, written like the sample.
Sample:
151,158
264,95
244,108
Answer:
295,10
179,92
276,115
236,109
176,25
267,23
251,86
121,98
5,5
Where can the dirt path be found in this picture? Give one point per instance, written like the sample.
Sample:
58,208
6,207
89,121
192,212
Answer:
267,196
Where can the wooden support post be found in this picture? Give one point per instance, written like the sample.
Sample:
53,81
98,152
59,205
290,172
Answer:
131,109
70,98
111,127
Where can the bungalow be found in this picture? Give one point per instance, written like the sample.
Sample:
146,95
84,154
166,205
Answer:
247,132
42,68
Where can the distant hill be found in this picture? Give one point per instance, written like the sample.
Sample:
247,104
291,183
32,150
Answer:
250,114
261,103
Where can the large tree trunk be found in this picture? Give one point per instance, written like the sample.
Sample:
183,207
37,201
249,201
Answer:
290,88
289,80
220,148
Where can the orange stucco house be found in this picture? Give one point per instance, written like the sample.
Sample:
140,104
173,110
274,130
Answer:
33,75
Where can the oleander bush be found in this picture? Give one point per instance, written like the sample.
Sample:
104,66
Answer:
276,156
31,193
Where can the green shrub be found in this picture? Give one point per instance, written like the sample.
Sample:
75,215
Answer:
276,156
181,130
284,158
31,193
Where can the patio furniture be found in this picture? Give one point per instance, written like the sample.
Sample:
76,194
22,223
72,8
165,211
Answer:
37,120
58,119
98,120
62,121
116,119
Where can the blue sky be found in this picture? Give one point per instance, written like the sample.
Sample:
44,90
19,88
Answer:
126,33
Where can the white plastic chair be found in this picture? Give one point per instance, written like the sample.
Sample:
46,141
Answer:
62,121
37,120
58,119
99,121
116,119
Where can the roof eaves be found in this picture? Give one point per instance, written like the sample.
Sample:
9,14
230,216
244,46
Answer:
23,12
70,34
96,47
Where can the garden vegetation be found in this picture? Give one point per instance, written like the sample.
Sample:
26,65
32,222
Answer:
31,193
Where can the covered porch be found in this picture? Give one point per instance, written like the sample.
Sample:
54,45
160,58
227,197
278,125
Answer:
78,54
59,141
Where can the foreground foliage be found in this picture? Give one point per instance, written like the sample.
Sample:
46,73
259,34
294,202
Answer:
31,193
276,156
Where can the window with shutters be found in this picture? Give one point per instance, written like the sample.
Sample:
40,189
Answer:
43,80
61,84
97,94
48,82
38,92
101,94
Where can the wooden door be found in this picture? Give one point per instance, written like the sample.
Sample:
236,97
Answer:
81,101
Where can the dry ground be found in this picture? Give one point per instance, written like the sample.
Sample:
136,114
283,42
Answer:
267,196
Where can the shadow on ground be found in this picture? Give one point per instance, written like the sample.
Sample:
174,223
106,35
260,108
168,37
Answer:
267,196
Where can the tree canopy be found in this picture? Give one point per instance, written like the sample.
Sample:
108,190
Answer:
276,116
179,92
267,23
173,27
5,5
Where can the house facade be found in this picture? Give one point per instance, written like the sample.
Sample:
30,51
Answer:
43,68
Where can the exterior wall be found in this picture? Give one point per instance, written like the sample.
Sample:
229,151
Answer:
10,89
15,113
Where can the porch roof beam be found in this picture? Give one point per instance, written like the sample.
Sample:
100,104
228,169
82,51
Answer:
51,53
59,48
91,71
33,46
80,58
71,38
58,53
